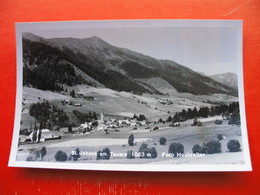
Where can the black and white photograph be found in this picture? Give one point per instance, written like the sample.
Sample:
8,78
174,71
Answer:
130,95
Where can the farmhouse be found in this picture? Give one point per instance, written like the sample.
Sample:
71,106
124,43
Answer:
46,134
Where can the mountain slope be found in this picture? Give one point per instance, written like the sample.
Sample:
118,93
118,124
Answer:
45,67
229,79
117,68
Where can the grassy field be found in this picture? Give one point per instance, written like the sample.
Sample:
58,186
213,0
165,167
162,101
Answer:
116,141
116,104
121,104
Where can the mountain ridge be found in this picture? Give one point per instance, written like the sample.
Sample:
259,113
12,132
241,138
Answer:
228,78
112,66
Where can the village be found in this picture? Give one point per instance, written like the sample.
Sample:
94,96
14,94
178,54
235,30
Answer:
98,124
113,136
137,123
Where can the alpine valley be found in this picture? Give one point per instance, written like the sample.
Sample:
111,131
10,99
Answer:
86,97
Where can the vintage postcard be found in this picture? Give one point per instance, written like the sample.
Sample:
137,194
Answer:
130,95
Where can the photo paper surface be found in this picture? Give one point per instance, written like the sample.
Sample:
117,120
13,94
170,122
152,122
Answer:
130,95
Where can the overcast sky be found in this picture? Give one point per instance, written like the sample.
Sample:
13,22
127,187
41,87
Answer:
210,50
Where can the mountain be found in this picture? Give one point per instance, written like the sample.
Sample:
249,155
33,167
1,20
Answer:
95,62
229,79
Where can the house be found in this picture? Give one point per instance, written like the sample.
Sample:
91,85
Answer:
124,122
101,127
46,134
85,127
80,95
112,123
78,104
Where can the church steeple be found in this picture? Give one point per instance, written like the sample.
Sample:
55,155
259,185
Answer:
102,117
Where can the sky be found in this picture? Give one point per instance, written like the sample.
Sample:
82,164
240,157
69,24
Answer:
209,50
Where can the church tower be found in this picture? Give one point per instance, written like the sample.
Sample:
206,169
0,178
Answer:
102,118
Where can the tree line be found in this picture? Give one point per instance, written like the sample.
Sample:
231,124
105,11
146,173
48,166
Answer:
204,112
85,117
45,68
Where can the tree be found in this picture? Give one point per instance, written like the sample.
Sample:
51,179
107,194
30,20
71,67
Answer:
194,112
176,118
73,94
94,116
76,154
176,148
195,121
90,115
47,114
70,128
104,154
151,153
211,147
160,120
39,135
61,156
40,111
141,117
225,115
131,140
162,140
130,154
212,111
189,114
235,117
233,145
204,112
196,148
142,150
169,119
183,114
107,153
